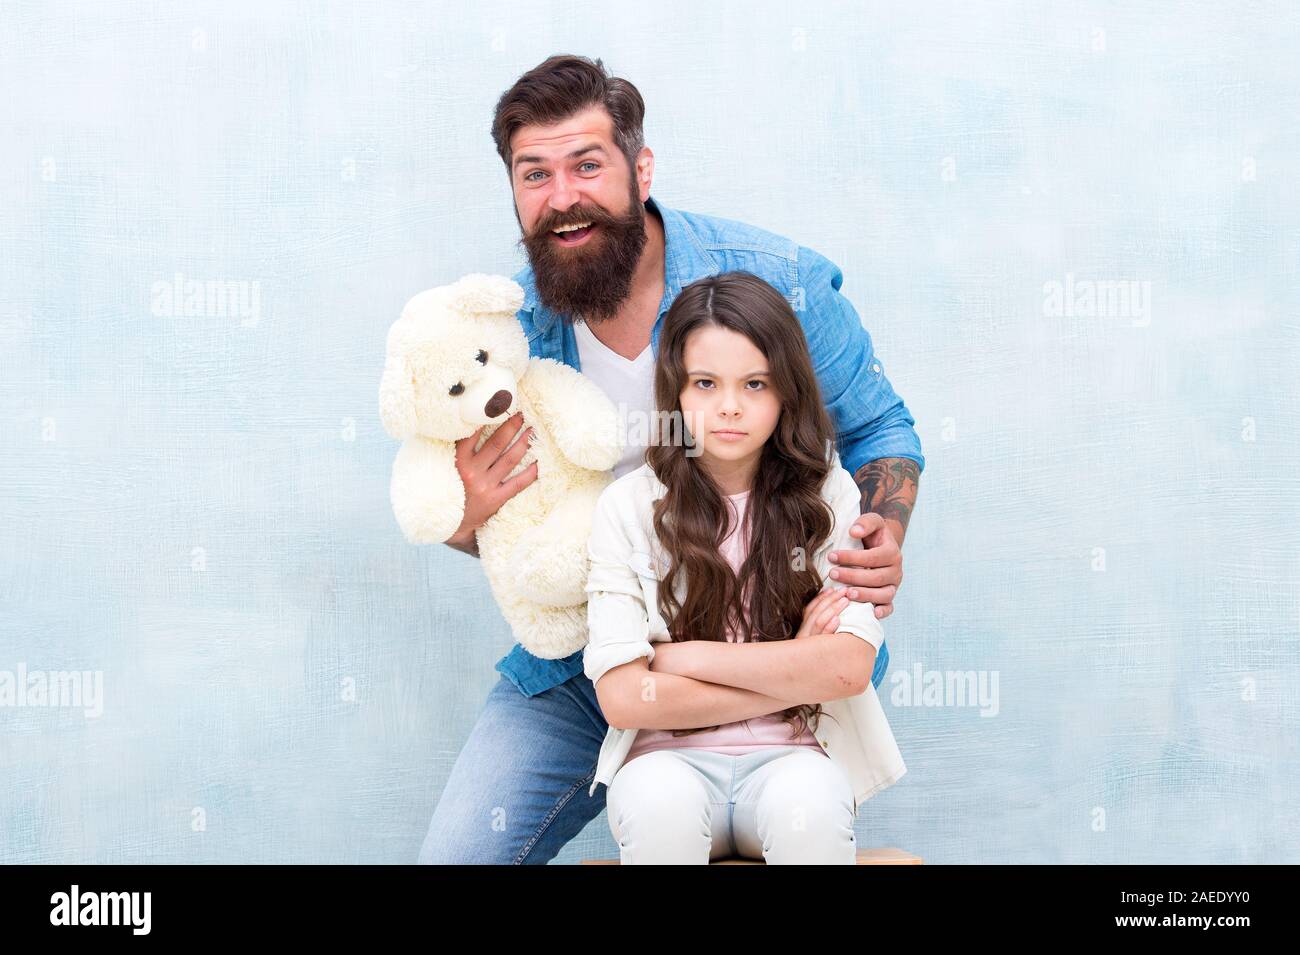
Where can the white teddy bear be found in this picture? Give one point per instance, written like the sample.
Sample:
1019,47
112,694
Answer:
457,359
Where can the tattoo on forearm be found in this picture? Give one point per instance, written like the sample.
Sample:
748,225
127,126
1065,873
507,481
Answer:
888,488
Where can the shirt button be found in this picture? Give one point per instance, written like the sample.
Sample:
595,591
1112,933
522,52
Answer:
876,369
823,742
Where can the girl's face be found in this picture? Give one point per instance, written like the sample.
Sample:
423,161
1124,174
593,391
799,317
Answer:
729,404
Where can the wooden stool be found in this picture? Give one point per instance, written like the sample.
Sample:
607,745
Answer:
865,857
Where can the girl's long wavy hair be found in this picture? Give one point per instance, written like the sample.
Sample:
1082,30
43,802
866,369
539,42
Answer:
785,505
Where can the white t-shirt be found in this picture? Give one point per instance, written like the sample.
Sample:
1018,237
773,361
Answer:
627,383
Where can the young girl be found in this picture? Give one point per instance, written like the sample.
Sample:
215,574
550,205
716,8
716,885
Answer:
742,717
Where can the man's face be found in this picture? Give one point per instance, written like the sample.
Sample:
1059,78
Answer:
572,174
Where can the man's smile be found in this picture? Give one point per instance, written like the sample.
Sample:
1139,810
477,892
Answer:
577,234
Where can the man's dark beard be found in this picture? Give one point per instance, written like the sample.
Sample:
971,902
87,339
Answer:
591,281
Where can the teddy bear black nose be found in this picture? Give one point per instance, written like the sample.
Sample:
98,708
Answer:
497,403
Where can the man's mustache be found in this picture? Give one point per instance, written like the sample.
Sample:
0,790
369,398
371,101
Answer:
594,216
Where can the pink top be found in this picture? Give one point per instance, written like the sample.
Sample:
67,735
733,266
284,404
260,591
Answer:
744,736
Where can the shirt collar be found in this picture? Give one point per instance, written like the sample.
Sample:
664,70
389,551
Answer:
685,260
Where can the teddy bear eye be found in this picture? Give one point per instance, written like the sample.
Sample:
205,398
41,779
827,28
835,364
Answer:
482,357
457,388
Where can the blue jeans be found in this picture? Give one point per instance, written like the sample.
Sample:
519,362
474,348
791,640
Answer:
518,790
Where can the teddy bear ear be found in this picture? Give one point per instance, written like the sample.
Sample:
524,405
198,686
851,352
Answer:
397,395
481,294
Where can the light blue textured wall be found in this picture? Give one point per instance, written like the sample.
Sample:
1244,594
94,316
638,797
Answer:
196,507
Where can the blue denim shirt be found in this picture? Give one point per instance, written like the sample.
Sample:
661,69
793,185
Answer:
870,420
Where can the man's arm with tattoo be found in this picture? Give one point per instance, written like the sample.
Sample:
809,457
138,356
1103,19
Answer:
873,572
888,487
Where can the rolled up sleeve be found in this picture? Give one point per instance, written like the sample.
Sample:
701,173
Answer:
617,620
859,617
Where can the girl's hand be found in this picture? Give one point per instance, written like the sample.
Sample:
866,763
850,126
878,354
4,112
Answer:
822,615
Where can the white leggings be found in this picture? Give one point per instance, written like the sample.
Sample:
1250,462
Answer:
790,805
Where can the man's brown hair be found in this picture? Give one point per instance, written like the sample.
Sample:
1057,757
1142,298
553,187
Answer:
561,86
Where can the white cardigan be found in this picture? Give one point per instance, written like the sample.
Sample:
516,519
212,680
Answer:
624,623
